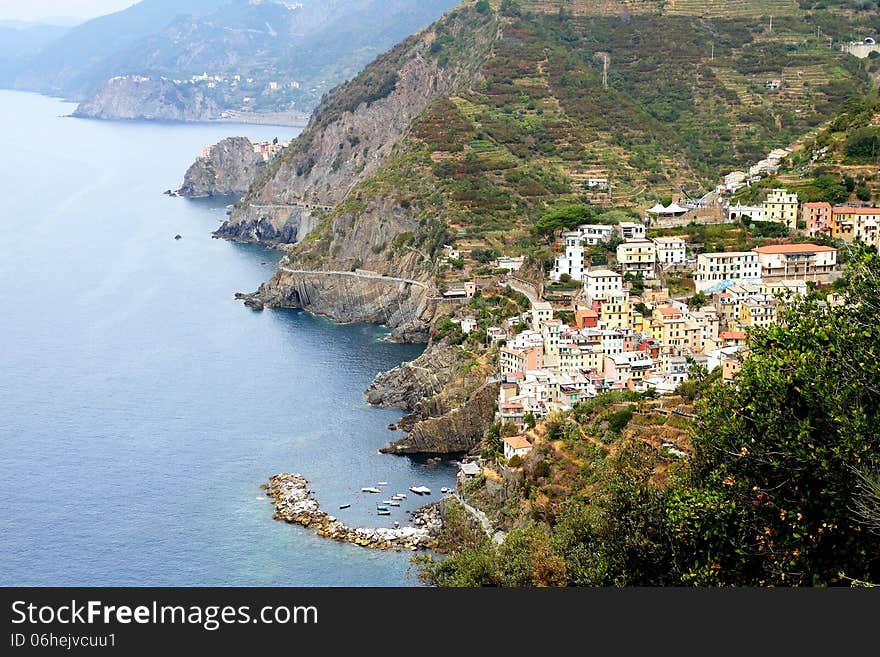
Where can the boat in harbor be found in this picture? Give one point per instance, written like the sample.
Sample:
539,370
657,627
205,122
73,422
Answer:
398,496
384,512
383,483
394,503
344,506
370,489
420,490
381,508
444,490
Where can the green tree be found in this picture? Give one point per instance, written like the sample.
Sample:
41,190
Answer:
863,144
777,456
564,218
698,300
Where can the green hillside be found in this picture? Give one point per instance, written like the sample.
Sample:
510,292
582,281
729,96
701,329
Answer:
685,103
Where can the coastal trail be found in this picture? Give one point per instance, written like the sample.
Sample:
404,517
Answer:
497,537
354,274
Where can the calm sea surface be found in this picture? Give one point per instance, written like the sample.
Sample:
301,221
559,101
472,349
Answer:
141,406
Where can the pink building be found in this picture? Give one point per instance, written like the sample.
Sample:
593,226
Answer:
512,412
817,217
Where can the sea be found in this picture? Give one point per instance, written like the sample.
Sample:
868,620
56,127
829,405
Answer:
141,405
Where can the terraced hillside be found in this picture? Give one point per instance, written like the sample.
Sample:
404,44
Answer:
498,113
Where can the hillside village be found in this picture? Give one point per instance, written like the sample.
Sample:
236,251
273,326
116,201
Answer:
659,306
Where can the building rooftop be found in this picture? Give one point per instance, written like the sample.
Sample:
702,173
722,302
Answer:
793,248
602,273
517,442
470,469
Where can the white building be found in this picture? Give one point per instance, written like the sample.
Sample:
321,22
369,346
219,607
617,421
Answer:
632,231
670,250
572,263
511,264
594,233
796,260
753,212
602,284
516,446
716,268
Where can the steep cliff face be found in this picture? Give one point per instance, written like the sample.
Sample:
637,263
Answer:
138,97
228,169
459,430
355,128
451,420
320,194
408,384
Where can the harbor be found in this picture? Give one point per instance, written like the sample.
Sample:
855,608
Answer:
295,504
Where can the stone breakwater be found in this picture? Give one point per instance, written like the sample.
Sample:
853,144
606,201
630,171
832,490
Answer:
294,504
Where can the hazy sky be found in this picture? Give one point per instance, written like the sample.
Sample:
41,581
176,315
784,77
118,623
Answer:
32,10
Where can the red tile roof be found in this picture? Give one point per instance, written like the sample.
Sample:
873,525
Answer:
517,442
793,248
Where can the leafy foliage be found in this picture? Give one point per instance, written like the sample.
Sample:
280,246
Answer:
781,488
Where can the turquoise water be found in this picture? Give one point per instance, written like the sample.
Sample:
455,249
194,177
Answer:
141,406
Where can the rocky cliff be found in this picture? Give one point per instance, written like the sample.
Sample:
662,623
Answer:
455,417
355,128
228,169
320,192
139,97
408,384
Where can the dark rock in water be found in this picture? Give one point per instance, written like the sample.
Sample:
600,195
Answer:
178,237
252,301
392,427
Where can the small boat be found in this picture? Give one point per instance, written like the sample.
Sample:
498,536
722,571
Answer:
420,490
381,508
394,503
387,501
344,506
392,427
383,512
370,489
444,490
400,496
383,483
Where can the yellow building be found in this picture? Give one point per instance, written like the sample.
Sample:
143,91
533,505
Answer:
782,206
614,312
637,258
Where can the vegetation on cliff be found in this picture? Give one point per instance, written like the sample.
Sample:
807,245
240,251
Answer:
777,485
530,123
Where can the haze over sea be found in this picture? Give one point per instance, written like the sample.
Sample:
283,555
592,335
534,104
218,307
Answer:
141,406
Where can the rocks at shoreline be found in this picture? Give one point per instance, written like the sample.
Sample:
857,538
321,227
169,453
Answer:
294,504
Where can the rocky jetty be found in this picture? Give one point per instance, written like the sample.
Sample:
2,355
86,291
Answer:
148,98
228,169
294,504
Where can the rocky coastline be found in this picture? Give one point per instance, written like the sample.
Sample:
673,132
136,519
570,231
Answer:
294,504
227,169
